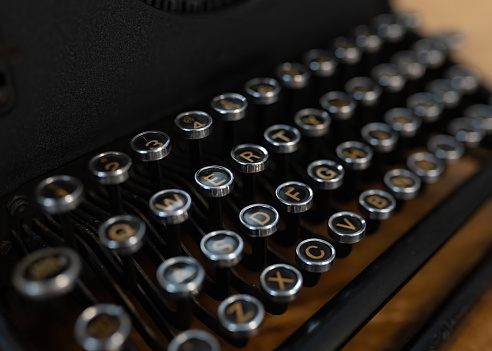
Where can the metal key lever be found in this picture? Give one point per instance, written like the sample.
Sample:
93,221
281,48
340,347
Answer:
345,314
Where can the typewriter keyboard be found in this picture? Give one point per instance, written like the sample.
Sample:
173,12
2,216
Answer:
230,225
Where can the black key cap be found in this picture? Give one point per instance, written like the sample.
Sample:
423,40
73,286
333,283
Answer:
224,249
59,195
194,126
346,228
47,273
281,282
214,182
294,198
258,222
249,159
111,169
103,327
151,147
241,315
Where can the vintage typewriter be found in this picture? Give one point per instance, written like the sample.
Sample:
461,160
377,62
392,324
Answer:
212,174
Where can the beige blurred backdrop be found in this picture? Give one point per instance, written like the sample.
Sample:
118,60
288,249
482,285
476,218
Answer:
471,17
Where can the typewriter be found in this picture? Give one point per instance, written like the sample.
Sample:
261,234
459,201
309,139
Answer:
226,175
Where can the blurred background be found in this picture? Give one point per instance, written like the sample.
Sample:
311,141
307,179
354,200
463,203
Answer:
473,18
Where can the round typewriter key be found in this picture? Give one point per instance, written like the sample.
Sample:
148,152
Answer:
258,222
355,155
47,273
364,90
367,39
312,122
315,255
241,315
349,55
194,340
263,91
182,277
403,184
294,198
150,146
464,78
370,43
403,121
224,249
214,182
282,138
346,50
123,234
408,65
172,206
249,159
482,113
194,126
59,194
367,94
338,104
425,105
431,52
323,65
389,27
446,92
389,77
346,227
467,130
282,282
327,175
111,169
446,147
427,166
377,204
295,78
293,75
380,136
103,327
230,107
321,62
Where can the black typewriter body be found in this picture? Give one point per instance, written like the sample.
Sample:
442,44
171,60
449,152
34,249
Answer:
118,97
